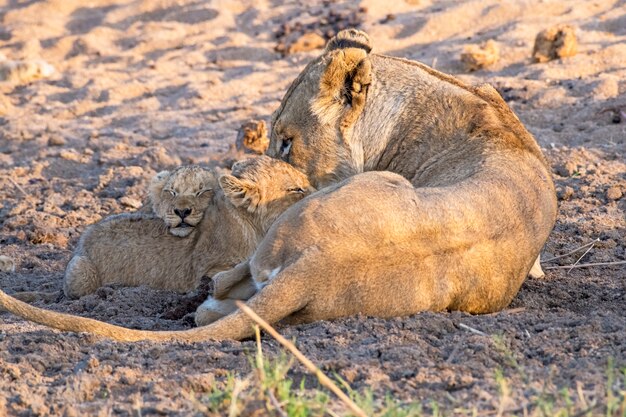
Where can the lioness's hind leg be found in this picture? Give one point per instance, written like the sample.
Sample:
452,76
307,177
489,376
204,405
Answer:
536,272
280,298
81,278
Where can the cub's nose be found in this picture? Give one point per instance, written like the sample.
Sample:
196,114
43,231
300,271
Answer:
182,213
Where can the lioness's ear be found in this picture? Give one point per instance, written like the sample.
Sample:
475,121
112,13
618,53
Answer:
350,38
344,83
241,193
157,184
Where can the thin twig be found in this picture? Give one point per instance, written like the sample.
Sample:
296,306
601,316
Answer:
593,242
454,352
582,256
587,265
588,410
473,330
508,311
323,379
16,185
276,404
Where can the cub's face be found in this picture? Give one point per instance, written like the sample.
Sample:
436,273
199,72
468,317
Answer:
265,186
182,196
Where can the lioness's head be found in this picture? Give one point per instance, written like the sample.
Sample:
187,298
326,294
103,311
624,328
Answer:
265,187
312,128
182,196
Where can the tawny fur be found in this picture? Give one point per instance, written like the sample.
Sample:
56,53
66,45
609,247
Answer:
456,225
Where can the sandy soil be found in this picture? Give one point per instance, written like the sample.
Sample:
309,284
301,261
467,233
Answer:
143,85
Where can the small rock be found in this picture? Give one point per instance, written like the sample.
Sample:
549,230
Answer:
130,202
12,370
565,193
6,264
56,141
70,155
6,106
613,193
567,169
307,42
556,42
49,235
475,57
24,72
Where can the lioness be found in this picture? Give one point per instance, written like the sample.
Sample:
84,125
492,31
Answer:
457,224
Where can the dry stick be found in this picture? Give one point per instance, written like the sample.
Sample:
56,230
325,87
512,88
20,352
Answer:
16,185
473,330
276,404
582,256
587,265
324,380
593,242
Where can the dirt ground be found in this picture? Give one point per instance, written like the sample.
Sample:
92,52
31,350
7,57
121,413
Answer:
144,85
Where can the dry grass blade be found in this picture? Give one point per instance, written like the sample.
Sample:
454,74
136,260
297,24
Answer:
259,355
261,371
323,379
240,386
593,242
587,265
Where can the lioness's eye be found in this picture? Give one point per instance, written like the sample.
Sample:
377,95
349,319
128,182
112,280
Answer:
295,190
285,147
172,192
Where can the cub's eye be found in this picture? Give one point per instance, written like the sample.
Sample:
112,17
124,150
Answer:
285,147
295,190
173,193
199,193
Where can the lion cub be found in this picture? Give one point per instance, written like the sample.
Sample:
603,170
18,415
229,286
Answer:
201,225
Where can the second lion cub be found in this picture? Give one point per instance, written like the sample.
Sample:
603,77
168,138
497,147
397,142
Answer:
201,225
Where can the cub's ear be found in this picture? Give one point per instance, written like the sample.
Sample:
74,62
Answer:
240,193
350,38
344,81
156,186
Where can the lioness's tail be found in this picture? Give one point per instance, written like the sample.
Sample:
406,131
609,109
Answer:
271,303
